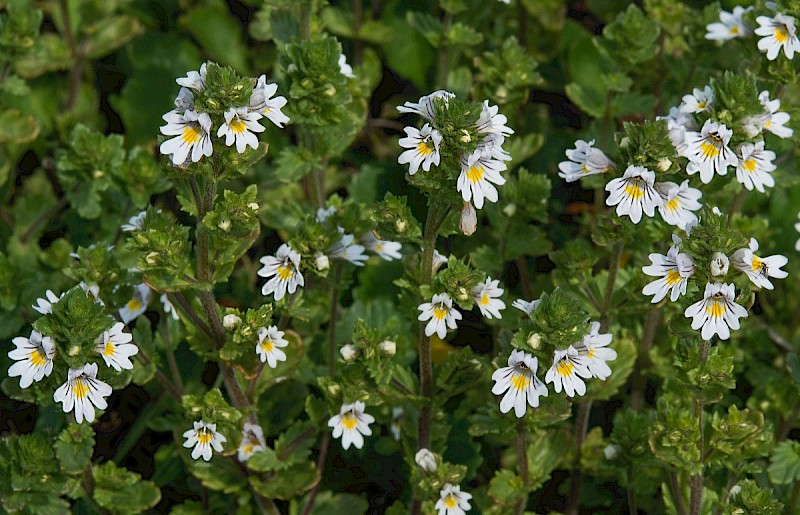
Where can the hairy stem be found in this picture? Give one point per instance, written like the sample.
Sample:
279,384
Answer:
696,481
522,464
677,495
639,380
576,475
162,379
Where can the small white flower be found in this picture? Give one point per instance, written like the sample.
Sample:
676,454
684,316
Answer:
323,214
423,148
347,250
239,127
349,352
350,424
395,426
708,151
252,441
633,193
700,100
184,101
594,349
261,102
777,32
344,68
230,321
194,80
755,166
115,346
677,125
203,438
284,270
487,296
169,309
774,121
388,347
584,160
45,305
479,173
492,122
519,383
425,106
137,305
192,136
567,370
525,306
674,271
135,222
717,313
426,460
34,358
611,451
730,26
441,314
92,291
452,501
440,259
387,250
678,202
270,342
719,264
321,261
759,269
82,392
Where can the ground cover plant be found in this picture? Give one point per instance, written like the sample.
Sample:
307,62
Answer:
308,257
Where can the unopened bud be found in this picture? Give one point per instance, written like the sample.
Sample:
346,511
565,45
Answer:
400,226
253,206
719,264
231,321
510,210
388,347
466,138
463,295
535,340
330,90
74,350
426,460
322,262
348,352
98,174
663,164
611,451
469,219
151,258
225,225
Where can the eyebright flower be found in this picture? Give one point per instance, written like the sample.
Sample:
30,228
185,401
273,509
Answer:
778,32
115,347
261,102
453,501
478,174
468,223
350,424
203,437
584,160
344,68
395,426
633,193
34,358
755,166
387,250
730,26
423,145
270,342
347,250
426,460
674,271
719,264
491,122
678,202
45,305
169,309
252,441
677,125
239,127
184,101
594,349
708,151
135,222
700,100
487,297
717,312
284,270
759,269
192,133
425,106
438,261
137,305
388,347
567,370
525,306
774,121
194,80
519,382
82,392
441,314
348,352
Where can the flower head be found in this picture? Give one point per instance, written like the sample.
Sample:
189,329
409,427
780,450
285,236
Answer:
678,202
270,342
45,305
344,68
137,305
239,127
755,167
487,296
708,151
595,351
452,501
584,160
479,174
426,460
719,264
567,370
350,424
423,148
678,123
82,392
773,120
492,122
192,136
777,33
135,223
252,441
730,25
674,271
519,382
441,314
261,102
169,309
194,80
203,437
33,357
700,100
525,306
115,347
717,313
633,193
425,106
347,250
759,269
284,271
387,250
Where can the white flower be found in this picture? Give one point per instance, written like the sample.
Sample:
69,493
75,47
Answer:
708,151
594,349
34,358
83,391
568,368
252,441
116,348
778,32
678,202
192,139
719,264
396,424
347,250
169,309
324,213
270,342
487,297
677,125
194,80
774,121
387,250
674,271
731,25
425,106
388,347
491,122
92,291
755,166
453,501
423,148
230,321
716,312
479,173
525,306
349,352
441,314
468,223
261,101
45,305
350,424
611,451
633,193
321,261
584,160
344,68
759,269
700,100
135,222
203,438
184,101
137,305
426,460
519,382
284,270
239,127
440,259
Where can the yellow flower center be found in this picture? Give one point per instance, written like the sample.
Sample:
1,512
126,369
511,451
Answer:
781,34
715,308
38,358
633,189
440,312
520,381
484,299
710,150
702,105
267,345
204,437
757,263
237,125
379,247
673,277
80,388
349,421
191,134
749,165
734,30
674,204
591,353
450,501
475,173
134,304
285,273
564,368
424,148
109,348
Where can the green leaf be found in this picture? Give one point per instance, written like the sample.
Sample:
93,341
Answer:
427,25
16,127
74,447
591,100
289,483
219,33
784,466
122,491
506,488
109,34
49,54
329,503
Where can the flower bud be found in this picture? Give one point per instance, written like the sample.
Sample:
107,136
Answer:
734,491
253,206
535,340
321,261
719,264
510,210
330,90
348,352
151,258
463,295
466,138
74,350
230,321
663,164
611,451
388,347
225,225
469,219
98,174
426,460
400,226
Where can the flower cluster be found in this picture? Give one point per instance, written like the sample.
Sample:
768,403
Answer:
777,32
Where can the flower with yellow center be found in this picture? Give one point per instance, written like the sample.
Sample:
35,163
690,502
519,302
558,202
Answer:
261,102
252,441
452,501
239,127
759,269
83,392
283,271
192,136
423,148
567,370
731,25
594,348
634,194
519,383
716,313
708,151
440,313
203,437
678,203
700,100
673,270
584,160
387,250
351,424
33,358
479,173
755,166
487,296
115,348
270,342
777,33
137,304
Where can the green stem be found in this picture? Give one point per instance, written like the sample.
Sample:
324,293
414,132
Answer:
677,495
613,268
444,55
791,506
161,377
576,475
522,465
696,481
